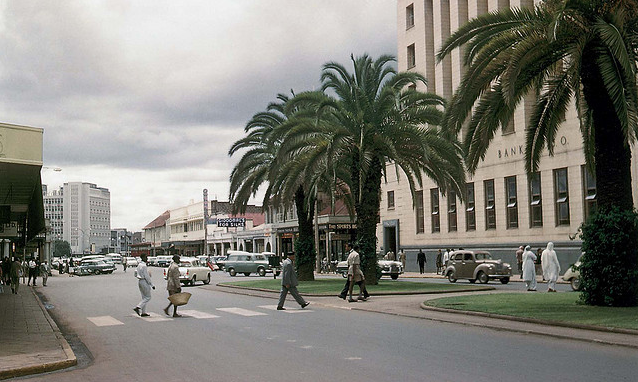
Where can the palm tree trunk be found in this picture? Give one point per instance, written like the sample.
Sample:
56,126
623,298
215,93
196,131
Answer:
367,219
612,153
305,243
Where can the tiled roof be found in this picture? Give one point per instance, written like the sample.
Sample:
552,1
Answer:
159,221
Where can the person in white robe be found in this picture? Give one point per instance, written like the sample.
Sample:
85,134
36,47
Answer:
551,267
529,269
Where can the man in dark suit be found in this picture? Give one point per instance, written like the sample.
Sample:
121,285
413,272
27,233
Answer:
289,283
420,258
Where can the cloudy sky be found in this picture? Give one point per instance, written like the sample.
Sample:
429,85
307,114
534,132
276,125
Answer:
145,97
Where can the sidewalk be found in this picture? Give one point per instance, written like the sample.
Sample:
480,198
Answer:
30,341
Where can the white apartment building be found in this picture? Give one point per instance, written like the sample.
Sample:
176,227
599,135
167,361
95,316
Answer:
505,207
86,216
53,211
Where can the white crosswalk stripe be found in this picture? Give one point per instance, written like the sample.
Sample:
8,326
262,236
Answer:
288,310
105,321
154,317
242,312
196,314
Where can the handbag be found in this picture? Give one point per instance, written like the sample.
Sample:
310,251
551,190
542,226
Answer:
179,299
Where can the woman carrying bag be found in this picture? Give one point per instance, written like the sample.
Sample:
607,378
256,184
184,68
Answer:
173,285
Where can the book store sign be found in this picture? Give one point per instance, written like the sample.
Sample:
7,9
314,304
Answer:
231,222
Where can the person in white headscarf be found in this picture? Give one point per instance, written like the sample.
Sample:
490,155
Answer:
529,269
551,267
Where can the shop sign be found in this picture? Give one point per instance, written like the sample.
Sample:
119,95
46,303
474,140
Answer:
333,227
231,222
9,229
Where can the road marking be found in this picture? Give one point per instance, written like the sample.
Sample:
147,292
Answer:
288,310
242,312
197,314
353,358
306,347
154,317
104,321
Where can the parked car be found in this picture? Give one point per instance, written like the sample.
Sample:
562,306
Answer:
164,261
247,263
191,271
572,275
388,268
219,261
131,261
93,267
477,265
151,261
115,257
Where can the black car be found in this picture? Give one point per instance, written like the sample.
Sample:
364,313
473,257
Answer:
94,267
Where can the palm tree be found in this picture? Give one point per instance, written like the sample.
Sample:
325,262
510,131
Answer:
371,117
563,51
263,164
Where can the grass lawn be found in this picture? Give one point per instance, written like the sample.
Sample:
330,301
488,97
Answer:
563,307
333,286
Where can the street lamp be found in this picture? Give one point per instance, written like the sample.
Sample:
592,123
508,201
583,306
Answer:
83,237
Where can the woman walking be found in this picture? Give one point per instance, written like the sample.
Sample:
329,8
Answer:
529,269
172,284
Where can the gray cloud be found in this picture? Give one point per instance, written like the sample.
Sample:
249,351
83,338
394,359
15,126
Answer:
163,86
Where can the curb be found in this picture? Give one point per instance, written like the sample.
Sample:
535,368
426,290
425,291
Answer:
604,329
476,289
71,359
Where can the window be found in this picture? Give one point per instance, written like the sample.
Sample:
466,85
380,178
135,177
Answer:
589,192
390,200
535,200
451,211
561,196
409,16
490,210
420,214
411,56
511,199
434,204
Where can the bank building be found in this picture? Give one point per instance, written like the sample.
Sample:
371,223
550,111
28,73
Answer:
505,207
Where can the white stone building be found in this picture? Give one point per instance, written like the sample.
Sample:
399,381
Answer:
86,216
505,207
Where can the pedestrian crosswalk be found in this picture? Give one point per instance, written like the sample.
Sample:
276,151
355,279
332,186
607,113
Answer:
191,313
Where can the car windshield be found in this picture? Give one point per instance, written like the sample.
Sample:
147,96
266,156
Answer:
483,256
185,264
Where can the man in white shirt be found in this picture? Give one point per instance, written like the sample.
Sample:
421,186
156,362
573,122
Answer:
145,284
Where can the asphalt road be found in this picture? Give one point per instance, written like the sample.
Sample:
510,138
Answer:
214,342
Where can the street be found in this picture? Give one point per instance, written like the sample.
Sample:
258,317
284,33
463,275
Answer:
230,337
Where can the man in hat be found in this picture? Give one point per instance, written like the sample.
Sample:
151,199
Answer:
289,283
172,284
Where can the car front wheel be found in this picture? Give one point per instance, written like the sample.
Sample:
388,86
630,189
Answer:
207,281
482,277
232,272
505,280
575,283
97,272
451,276
261,272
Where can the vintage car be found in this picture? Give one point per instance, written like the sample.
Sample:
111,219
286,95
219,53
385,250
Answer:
388,268
572,275
130,261
476,265
93,267
191,271
247,263
164,260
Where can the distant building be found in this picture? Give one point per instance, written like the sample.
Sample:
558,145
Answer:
80,213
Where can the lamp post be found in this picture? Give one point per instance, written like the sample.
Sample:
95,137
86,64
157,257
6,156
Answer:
83,237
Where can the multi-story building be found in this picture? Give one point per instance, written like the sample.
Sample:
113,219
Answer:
505,206
53,211
86,215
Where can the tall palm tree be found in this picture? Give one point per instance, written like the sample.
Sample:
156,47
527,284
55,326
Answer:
371,117
563,51
263,164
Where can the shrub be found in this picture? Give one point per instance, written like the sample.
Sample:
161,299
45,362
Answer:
609,267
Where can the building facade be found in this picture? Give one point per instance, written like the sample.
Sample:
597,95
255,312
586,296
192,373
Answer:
54,212
86,217
505,206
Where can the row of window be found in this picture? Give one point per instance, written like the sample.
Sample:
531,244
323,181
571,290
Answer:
535,205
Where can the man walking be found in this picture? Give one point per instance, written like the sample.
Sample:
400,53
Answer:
519,260
145,284
33,269
289,283
420,258
16,269
44,272
402,258
346,287
355,275
172,284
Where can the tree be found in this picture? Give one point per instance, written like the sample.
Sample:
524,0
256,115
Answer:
366,119
262,164
61,248
563,51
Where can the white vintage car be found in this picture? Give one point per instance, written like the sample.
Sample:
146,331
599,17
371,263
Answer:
191,271
388,268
